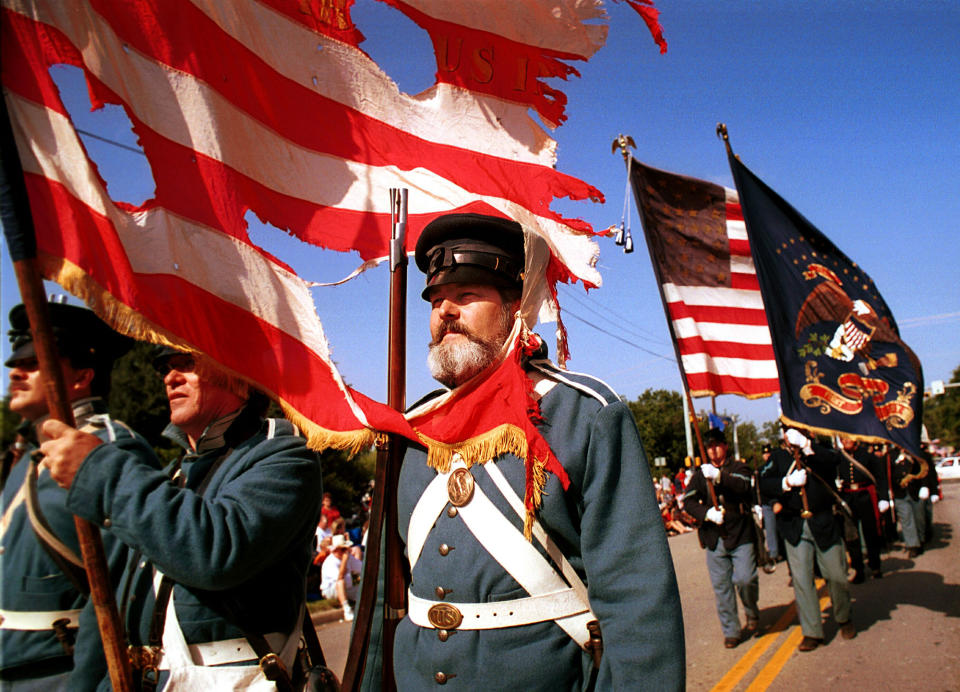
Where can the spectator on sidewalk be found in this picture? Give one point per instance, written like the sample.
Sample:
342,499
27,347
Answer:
340,574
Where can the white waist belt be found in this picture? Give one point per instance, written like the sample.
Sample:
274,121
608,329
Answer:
225,651
492,615
36,620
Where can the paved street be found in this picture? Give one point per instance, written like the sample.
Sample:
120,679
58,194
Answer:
908,623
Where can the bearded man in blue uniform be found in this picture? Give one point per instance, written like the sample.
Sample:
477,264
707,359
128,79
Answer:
501,596
43,585
218,545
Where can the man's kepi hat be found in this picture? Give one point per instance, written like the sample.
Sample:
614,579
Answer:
79,334
715,436
471,248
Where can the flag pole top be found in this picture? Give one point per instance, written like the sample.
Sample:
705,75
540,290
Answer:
724,135
622,142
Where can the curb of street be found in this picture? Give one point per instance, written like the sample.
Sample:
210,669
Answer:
324,616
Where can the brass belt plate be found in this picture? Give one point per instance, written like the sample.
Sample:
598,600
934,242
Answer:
444,616
460,487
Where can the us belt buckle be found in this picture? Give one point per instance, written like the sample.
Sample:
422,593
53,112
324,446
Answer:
444,616
460,487
854,486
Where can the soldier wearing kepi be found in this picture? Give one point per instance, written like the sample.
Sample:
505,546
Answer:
726,534
909,491
861,482
43,584
516,610
810,531
218,544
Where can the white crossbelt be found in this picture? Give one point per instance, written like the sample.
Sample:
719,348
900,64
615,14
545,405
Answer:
36,620
550,596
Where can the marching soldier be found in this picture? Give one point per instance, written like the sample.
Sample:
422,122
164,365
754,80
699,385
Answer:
859,474
802,483
933,494
488,607
218,544
909,492
43,581
727,534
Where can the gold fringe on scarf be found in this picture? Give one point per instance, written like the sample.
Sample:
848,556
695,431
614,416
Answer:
539,472
502,439
130,323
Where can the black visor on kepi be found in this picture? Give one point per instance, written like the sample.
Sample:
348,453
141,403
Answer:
471,248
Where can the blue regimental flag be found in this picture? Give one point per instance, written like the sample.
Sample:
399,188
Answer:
843,367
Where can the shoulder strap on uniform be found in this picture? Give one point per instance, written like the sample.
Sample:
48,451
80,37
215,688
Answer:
69,562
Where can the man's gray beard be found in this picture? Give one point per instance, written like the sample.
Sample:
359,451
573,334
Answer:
452,364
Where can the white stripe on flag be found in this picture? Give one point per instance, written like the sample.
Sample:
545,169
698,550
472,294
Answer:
735,367
721,331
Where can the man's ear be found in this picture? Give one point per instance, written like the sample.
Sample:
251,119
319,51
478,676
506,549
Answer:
81,380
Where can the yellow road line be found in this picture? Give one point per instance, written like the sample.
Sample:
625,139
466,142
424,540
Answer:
743,666
769,672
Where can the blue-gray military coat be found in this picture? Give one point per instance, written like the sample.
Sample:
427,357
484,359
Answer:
608,525
238,553
32,581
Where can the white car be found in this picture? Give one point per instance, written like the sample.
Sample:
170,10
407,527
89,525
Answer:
948,468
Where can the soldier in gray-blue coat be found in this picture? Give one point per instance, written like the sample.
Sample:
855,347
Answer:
218,545
488,609
43,585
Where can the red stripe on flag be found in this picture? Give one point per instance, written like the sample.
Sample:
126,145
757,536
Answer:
746,282
740,247
734,212
721,314
708,382
726,349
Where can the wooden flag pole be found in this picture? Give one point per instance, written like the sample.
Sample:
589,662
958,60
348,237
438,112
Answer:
16,213
623,141
382,526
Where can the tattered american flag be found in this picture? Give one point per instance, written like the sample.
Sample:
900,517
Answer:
701,256
270,107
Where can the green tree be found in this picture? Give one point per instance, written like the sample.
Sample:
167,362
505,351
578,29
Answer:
941,414
770,433
748,441
659,417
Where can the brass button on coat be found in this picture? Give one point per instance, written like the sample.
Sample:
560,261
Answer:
442,678
444,549
442,592
452,511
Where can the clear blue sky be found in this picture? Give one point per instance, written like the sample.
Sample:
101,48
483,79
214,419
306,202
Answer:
849,109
